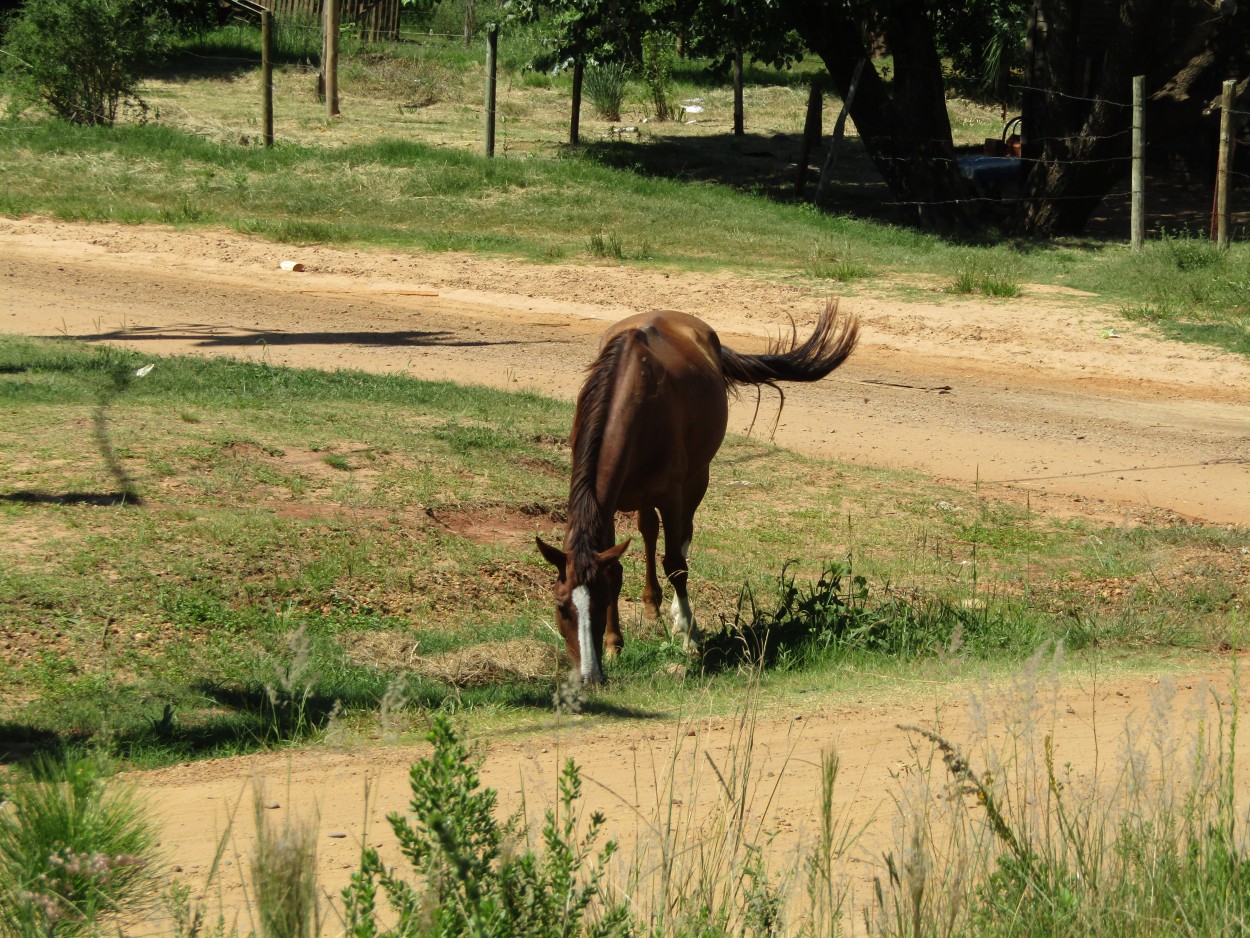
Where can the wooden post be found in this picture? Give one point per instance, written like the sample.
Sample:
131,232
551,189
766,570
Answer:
266,75
738,117
492,56
1224,166
839,129
468,22
332,58
575,120
1137,219
812,132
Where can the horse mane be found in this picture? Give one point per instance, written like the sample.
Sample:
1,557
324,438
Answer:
593,403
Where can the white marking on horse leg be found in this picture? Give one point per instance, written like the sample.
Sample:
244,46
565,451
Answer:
683,622
683,616
585,640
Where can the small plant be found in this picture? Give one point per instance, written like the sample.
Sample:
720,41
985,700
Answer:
477,876
657,68
83,58
607,246
284,875
72,848
605,85
830,264
968,282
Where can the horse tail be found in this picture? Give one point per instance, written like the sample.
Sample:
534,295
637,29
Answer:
826,348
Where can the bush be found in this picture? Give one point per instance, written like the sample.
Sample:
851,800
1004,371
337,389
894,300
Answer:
478,877
83,58
605,86
71,849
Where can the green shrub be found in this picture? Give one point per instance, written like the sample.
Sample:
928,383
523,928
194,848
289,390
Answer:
478,877
83,58
605,85
71,849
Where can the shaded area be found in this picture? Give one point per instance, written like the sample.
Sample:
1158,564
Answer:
205,336
101,499
760,164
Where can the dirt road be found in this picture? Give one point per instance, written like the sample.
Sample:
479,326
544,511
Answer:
1051,393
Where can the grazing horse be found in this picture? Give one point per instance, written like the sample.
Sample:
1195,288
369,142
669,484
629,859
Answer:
649,419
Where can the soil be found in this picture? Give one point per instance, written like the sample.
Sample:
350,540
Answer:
1051,397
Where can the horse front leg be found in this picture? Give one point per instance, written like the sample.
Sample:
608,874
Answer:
652,594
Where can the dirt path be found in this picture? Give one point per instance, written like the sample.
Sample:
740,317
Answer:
1031,394
1034,395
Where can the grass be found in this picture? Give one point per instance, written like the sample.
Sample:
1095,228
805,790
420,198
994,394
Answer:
225,586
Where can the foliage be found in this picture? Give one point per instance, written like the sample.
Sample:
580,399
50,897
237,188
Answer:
83,58
478,877
72,848
657,73
605,85
987,46
1148,845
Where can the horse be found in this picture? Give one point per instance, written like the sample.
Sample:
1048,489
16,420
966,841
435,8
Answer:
650,417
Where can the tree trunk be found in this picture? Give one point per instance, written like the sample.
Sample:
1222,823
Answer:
1082,119
907,134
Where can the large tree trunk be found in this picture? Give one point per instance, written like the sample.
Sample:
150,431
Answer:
1078,106
907,135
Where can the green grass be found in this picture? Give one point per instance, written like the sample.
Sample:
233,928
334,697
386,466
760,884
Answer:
264,570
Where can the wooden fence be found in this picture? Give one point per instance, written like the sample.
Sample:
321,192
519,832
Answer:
377,20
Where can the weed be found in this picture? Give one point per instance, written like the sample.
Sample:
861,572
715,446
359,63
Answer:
73,847
608,246
284,874
605,84
480,877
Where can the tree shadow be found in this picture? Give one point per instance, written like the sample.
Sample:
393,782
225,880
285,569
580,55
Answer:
206,336
98,499
760,164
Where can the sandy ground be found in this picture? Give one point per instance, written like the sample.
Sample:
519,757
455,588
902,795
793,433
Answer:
1050,394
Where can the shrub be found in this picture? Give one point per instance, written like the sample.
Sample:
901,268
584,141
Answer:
605,86
476,875
657,73
71,849
83,58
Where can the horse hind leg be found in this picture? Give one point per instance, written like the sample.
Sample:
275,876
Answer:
652,593
678,573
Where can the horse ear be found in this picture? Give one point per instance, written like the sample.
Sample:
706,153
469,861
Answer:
557,558
613,553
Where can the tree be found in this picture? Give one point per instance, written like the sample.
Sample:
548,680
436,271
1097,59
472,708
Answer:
82,58
1184,49
1079,75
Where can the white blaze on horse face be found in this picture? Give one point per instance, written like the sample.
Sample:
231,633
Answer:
585,640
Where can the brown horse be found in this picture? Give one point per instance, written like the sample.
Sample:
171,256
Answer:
649,419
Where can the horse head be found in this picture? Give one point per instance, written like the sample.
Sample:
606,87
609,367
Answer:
586,595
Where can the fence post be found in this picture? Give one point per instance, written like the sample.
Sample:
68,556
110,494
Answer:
738,117
1225,165
266,75
332,58
575,120
492,56
1137,219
